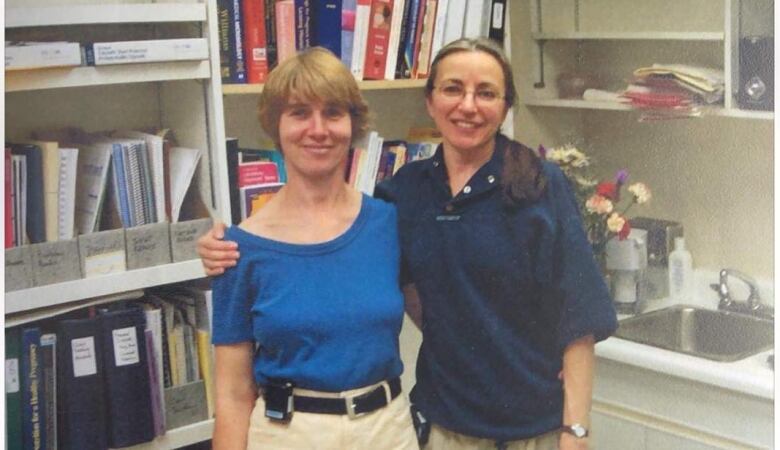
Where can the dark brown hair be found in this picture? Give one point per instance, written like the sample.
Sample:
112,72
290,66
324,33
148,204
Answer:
522,179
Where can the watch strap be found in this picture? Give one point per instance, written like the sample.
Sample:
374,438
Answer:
576,430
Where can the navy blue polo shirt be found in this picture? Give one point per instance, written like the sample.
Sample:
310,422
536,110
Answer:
503,292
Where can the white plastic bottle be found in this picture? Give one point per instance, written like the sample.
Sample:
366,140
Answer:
680,272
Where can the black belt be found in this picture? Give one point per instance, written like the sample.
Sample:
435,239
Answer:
355,406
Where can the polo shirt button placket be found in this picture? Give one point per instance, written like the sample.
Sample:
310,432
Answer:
467,190
491,179
449,208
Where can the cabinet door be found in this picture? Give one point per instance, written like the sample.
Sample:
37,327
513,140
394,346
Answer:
613,433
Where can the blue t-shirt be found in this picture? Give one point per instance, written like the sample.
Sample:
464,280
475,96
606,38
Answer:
326,316
503,292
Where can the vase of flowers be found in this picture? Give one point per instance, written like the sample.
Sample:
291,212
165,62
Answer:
603,204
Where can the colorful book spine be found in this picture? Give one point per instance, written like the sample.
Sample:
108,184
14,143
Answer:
237,62
348,8
426,40
226,36
326,30
35,220
49,361
33,395
411,40
256,55
285,29
303,24
257,172
400,60
270,32
254,197
378,39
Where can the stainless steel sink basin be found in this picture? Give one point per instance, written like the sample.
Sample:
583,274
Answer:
715,335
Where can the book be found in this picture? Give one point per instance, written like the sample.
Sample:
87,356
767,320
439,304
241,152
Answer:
226,36
476,13
426,40
33,199
13,390
66,193
394,39
255,42
205,358
236,43
270,32
254,197
156,157
348,9
400,59
303,24
51,175
8,182
285,29
80,392
19,198
49,363
360,38
367,170
497,20
155,385
453,24
126,376
378,39
92,173
33,408
257,172
326,30
183,162
39,55
412,38
439,27
132,52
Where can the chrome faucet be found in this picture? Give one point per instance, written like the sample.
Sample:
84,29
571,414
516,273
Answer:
753,303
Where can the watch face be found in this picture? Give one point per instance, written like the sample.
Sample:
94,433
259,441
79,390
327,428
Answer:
578,430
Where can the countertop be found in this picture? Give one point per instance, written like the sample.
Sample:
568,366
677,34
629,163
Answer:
752,375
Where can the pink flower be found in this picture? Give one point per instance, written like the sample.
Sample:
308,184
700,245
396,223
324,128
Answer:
599,204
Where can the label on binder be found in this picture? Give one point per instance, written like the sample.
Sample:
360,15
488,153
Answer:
11,376
125,346
84,359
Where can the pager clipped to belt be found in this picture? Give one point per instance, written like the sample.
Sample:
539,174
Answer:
278,396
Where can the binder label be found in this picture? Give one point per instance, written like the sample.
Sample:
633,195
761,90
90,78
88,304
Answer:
104,263
125,346
11,375
84,359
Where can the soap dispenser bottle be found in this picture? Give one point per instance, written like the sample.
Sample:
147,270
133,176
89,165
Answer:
680,272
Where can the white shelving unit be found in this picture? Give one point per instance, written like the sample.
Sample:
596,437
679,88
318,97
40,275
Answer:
577,41
184,96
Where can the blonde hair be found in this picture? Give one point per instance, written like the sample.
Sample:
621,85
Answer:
314,74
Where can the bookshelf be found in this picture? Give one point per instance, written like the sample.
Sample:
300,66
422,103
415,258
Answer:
610,40
184,96
380,85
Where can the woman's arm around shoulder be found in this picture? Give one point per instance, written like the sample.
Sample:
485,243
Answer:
216,254
235,395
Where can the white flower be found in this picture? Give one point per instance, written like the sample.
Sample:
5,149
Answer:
568,155
641,192
615,223
599,205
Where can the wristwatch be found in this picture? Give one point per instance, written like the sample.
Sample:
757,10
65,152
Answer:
576,430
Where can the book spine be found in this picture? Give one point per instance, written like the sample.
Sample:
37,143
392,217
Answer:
155,391
360,38
131,52
394,40
134,189
257,173
120,184
237,63
49,361
411,38
348,8
497,20
226,36
400,60
147,191
19,170
453,25
302,24
255,41
270,32
8,198
285,29
33,403
378,39
326,26
439,27
13,390
426,40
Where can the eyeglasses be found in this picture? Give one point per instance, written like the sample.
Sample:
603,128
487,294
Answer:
482,96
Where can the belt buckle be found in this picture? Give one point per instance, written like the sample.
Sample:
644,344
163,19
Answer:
349,402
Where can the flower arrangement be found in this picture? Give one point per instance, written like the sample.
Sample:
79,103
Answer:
598,201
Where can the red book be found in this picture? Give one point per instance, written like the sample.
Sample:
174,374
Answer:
255,41
285,29
9,221
257,172
378,39
423,60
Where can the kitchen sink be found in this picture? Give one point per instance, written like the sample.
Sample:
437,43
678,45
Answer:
715,335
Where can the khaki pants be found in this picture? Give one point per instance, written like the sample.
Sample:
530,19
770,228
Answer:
443,439
388,428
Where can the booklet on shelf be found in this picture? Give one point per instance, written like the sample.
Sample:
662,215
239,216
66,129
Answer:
39,55
130,52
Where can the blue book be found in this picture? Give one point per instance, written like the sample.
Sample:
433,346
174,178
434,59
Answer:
416,13
236,43
80,386
348,8
400,59
13,390
33,395
327,25
36,215
128,397
120,185
302,24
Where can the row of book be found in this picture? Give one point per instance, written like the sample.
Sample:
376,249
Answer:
110,376
56,184
26,55
254,176
376,39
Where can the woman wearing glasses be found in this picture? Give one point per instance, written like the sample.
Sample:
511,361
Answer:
497,272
